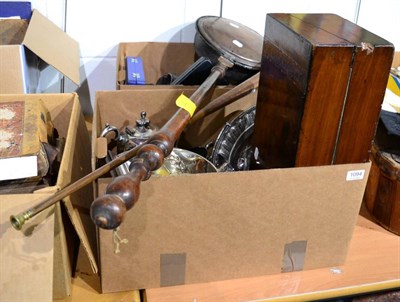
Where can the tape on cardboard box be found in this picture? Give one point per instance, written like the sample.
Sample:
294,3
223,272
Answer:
172,269
293,256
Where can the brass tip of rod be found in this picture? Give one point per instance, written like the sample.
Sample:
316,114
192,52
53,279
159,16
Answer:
17,221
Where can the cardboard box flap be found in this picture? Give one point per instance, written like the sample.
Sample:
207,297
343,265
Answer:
83,226
61,280
75,202
11,59
74,133
78,224
56,49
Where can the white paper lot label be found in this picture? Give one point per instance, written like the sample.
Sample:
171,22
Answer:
355,175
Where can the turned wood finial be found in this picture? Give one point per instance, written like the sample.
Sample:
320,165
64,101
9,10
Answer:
108,211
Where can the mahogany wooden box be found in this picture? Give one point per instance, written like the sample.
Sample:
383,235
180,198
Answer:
382,193
322,82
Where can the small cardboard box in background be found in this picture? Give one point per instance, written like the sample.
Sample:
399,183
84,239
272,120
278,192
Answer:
159,58
38,258
218,226
29,48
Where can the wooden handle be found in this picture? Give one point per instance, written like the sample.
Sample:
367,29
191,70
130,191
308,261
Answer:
122,193
18,220
229,97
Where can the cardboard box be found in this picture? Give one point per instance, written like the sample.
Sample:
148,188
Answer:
217,226
36,261
38,45
396,60
159,58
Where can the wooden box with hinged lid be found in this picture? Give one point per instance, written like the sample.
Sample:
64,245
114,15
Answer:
322,82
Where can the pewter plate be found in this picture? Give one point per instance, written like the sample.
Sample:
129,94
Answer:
232,149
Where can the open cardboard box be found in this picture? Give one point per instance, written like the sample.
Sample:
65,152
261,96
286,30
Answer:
217,226
159,58
29,49
36,262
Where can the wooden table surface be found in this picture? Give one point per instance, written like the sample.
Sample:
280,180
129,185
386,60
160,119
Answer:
373,264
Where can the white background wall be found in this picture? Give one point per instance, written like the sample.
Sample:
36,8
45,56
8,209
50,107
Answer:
99,26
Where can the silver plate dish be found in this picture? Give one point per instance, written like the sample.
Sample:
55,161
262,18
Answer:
232,150
180,161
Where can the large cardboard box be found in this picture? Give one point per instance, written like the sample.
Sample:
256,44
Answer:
37,262
215,226
31,53
159,58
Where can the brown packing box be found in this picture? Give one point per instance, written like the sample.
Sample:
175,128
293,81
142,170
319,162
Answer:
31,269
159,58
24,47
206,227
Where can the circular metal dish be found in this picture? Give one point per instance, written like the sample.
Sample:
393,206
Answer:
232,149
235,41
182,161
217,36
